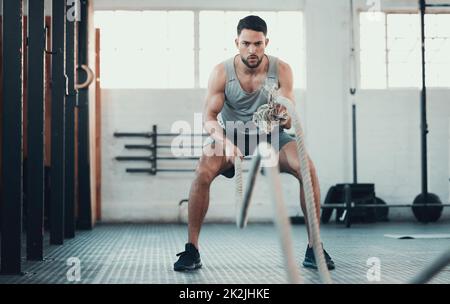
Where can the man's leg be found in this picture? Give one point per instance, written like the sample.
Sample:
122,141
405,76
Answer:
211,164
290,163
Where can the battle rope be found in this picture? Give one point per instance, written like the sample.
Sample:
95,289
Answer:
266,118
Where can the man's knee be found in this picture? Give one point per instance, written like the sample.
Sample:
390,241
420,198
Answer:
205,172
203,176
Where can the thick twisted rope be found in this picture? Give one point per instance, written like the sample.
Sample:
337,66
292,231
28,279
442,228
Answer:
433,269
239,186
308,188
275,186
281,214
267,116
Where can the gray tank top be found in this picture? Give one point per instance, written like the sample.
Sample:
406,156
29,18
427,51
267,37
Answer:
240,105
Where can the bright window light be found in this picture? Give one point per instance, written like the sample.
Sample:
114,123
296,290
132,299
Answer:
390,50
146,49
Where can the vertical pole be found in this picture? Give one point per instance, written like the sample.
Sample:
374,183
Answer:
423,107
12,198
355,159
36,110
69,208
57,179
353,86
84,178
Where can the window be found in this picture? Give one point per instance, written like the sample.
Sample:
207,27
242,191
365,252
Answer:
218,32
146,49
390,50
156,49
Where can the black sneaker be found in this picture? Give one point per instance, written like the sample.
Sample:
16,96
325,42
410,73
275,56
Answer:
310,259
189,259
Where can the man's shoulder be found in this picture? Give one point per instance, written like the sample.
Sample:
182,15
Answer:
283,65
284,69
218,77
219,71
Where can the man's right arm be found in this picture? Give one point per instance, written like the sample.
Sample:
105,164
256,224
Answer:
215,100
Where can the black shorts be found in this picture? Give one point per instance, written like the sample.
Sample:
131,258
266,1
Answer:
249,142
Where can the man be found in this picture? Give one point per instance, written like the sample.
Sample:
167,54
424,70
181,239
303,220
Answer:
235,92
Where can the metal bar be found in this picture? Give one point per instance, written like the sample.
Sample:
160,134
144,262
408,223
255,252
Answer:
84,176
69,210
181,134
12,199
169,146
355,159
146,158
353,205
135,158
150,134
150,170
155,151
36,111
150,147
438,5
120,134
178,158
423,107
175,170
140,147
141,170
58,121
151,158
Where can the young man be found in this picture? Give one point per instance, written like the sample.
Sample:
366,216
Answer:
235,92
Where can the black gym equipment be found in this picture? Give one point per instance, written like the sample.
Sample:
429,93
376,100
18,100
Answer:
71,100
351,194
31,180
12,198
84,220
153,158
58,122
34,173
354,203
426,207
425,213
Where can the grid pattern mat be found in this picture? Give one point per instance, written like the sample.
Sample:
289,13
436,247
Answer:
145,253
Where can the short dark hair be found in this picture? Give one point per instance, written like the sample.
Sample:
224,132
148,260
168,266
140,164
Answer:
252,22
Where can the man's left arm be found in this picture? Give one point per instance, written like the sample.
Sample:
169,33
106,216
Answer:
286,80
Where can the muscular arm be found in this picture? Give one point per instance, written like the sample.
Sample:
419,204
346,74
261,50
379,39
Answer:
215,99
286,80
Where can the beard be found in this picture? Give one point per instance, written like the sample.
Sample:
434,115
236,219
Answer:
252,66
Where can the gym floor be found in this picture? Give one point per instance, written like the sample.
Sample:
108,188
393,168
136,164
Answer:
145,253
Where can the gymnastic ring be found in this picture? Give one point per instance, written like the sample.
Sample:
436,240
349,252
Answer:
89,79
